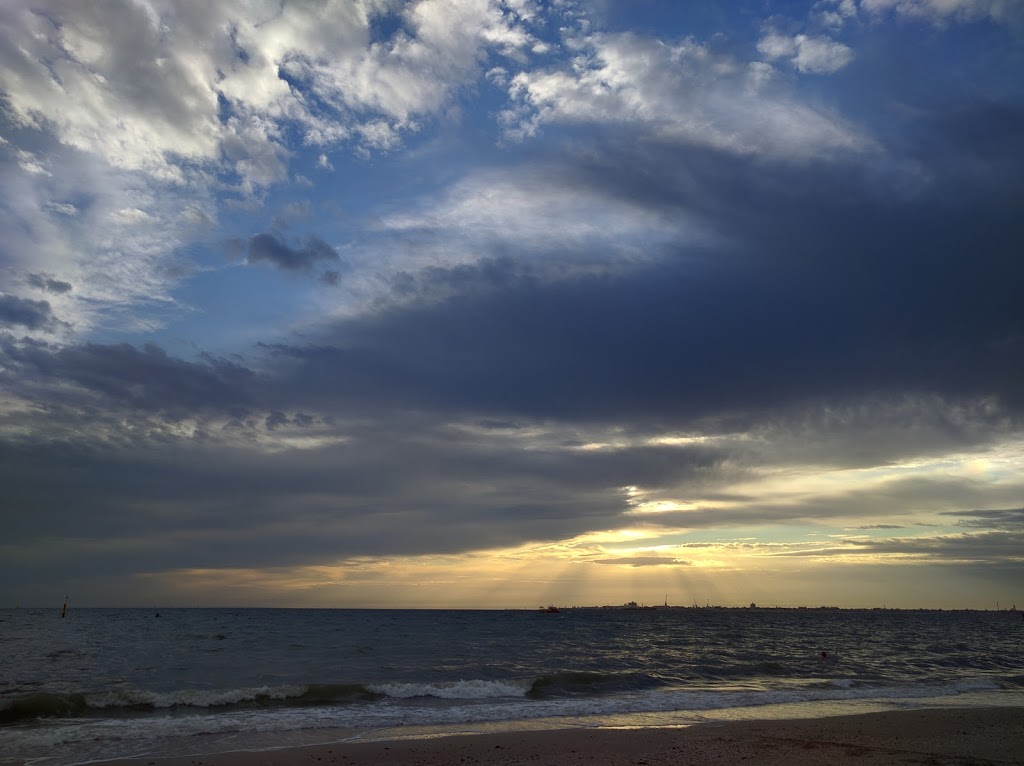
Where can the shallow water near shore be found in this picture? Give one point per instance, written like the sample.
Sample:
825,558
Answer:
112,683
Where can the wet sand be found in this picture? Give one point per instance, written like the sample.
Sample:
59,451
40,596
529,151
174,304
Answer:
937,737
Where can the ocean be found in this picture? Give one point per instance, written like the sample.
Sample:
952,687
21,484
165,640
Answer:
114,683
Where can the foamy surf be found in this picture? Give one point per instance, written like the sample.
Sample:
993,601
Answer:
207,680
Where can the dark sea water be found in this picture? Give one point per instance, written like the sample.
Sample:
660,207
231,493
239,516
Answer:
108,683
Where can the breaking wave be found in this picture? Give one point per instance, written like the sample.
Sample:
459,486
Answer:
42,705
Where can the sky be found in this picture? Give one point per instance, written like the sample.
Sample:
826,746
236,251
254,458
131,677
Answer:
503,303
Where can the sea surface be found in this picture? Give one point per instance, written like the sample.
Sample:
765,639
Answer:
111,683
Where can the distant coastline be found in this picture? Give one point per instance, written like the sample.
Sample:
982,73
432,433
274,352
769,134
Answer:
560,608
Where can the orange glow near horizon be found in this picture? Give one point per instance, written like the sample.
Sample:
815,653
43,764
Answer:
838,535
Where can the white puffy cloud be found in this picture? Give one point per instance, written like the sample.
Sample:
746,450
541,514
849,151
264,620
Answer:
141,111
835,13
144,84
682,92
810,55
109,232
102,79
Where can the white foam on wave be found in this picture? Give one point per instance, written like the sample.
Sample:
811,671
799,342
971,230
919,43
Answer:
202,698
469,702
975,684
474,689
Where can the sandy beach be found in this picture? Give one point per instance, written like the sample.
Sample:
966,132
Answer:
934,737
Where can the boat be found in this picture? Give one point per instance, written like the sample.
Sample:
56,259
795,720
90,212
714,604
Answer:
550,609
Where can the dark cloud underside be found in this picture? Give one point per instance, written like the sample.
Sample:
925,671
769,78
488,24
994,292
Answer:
24,312
830,288
267,248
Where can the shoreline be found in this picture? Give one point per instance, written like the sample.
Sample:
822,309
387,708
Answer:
930,736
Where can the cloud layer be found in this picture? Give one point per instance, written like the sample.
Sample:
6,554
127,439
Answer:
308,293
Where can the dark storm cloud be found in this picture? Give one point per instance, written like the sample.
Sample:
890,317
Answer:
143,379
24,312
672,344
385,490
49,284
275,419
838,283
331,277
1010,518
223,509
267,248
983,142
